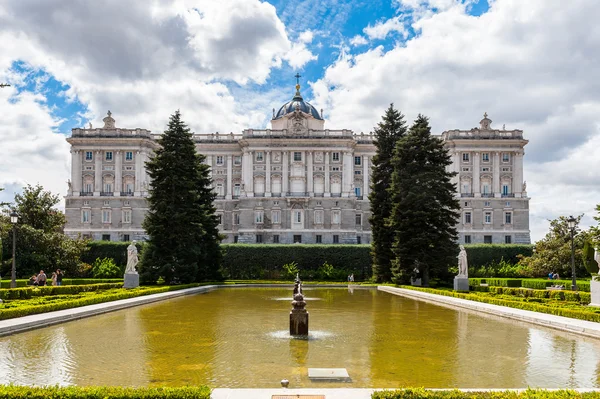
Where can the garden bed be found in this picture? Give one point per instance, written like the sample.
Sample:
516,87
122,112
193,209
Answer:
574,306
420,393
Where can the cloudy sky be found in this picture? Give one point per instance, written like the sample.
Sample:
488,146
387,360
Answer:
532,65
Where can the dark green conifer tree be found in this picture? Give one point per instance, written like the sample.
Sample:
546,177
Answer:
425,209
181,222
388,132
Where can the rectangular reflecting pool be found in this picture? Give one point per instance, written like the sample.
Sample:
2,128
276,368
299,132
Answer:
238,337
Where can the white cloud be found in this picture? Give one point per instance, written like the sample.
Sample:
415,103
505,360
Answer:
31,151
381,29
299,55
512,62
358,40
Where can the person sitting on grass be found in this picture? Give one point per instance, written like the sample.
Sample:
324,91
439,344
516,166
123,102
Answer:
555,276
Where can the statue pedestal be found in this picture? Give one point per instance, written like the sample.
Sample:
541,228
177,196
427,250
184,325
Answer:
461,283
595,293
298,322
132,280
415,282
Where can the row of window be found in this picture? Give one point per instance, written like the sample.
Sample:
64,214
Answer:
86,216
486,188
108,155
485,157
297,217
297,239
106,237
260,157
319,187
488,239
108,186
487,218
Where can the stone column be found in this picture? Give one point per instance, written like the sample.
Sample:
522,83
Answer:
118,173
366,177
98,173
347,174
285,178
518,174
327,178
245,171
138,173
250,191
476,179
76,172
309,173
229,193
268,175
496,167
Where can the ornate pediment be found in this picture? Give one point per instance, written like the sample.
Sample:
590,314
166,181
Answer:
297,123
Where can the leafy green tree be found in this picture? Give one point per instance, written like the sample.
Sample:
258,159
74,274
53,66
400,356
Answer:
184,243
388,132
588,258
425,210
553,252
41,243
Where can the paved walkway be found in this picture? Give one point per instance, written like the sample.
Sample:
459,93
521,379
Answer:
583,327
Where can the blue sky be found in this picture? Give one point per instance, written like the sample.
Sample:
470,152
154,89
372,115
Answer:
531,65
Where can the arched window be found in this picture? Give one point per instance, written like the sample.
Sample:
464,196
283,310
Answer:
128,184
319,184
465,186
259,184
276,184
88,184
336,185
486,185
108,183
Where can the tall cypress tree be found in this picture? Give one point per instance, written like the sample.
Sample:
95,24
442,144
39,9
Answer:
388,132
425,210
181,223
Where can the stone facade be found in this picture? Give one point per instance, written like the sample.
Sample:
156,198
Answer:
297,182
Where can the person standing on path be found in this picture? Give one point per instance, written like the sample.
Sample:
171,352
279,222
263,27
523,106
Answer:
41,279
59,277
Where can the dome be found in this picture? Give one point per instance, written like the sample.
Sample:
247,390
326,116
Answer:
297,103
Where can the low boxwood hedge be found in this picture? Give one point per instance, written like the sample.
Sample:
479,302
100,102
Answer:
420,393
91,300
534,283
66,281
13,392
589,314
28,292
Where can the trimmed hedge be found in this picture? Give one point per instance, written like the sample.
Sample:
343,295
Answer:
66,281
589,315
92,300
117,250
536,284
484,254
28,292
420,393
264,261
11,391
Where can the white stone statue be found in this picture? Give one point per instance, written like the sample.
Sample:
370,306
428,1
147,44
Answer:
463,266
597,258
132,259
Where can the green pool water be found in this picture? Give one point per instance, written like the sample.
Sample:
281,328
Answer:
237,337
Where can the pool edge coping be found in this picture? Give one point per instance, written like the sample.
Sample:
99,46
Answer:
581,327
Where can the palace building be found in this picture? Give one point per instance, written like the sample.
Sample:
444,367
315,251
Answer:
296,182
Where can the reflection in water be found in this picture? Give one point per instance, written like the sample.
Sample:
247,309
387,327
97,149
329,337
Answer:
238,338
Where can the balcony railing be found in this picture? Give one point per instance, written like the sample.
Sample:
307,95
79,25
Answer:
467,195
336,194
107,194
487,195
508,195
319,195
297,194
359,197
275,194
259,194
86,194
126,194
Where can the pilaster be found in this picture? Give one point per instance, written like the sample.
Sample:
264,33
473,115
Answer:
268,175
118,173
476,170
76,174
138,173
496,167
285,177
309,173
327,178
365,160
229,193
98,173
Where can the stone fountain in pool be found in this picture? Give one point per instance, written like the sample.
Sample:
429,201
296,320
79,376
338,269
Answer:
239,337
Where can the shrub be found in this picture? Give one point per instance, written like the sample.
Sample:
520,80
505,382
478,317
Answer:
290,271
421,393
29,292
12,391
105,268
486,254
